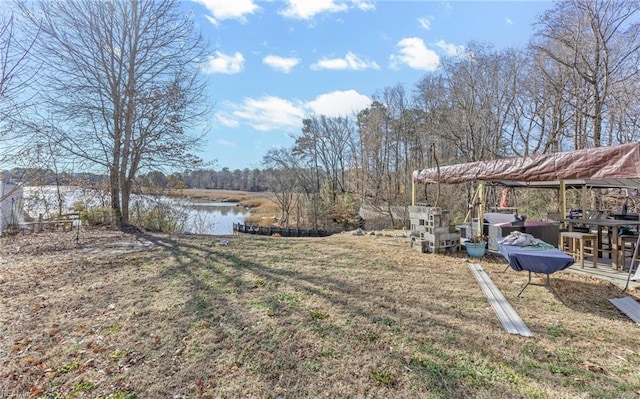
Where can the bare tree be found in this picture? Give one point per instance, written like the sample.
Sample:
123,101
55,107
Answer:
542,113
374,131
480,93
625,113
396,104
328,140
17,75
282,177
123,84
599,41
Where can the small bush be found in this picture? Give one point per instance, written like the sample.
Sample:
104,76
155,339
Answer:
98,216
158,216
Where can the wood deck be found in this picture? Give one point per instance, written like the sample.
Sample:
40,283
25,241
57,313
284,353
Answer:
605,272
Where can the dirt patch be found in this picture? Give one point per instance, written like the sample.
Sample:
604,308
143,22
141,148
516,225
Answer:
93,241
108,314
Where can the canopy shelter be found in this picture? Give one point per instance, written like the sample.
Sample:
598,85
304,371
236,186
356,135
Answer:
613,166
601,167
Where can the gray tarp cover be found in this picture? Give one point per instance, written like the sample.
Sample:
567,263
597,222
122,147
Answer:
613,162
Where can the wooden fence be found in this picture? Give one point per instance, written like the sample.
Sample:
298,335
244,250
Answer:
282,231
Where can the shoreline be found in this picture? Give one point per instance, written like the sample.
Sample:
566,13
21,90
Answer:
261,204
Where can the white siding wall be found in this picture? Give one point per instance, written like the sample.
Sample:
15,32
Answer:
10,205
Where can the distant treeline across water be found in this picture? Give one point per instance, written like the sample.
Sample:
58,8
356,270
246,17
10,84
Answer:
252,180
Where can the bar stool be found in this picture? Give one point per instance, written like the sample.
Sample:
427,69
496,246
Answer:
631,241
580,245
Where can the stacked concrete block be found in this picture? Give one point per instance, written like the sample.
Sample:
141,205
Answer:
432,231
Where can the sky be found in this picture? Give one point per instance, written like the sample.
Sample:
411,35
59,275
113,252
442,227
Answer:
274,63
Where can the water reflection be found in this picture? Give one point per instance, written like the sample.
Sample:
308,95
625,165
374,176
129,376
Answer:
213,217
197,217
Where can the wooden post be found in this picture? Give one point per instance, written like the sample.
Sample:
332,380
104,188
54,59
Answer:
469,215
413,192
480,208
563,201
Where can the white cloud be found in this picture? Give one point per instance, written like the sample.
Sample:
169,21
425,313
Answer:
225,143
350,62
339,103
281,64
450,49
509,21
223,63
415,54
425,22
269,113
307,9
227,120
364,5
228,9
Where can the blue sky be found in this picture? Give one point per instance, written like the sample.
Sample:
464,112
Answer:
273,63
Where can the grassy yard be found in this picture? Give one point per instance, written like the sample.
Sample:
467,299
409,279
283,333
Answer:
158,316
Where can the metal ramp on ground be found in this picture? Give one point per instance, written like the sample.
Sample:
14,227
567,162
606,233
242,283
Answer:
508,317
628,306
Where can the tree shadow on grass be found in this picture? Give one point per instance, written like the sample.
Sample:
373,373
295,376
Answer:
376,307
579,293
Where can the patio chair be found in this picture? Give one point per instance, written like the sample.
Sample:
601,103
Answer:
627,245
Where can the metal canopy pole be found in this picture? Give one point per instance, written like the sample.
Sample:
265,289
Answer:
583,201
633,262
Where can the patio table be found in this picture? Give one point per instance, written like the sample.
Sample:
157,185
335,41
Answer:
599,224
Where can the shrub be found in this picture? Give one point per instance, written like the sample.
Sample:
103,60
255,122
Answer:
158,216
98,216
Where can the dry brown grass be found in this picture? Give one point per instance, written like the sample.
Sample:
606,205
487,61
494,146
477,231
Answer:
251,198
162,316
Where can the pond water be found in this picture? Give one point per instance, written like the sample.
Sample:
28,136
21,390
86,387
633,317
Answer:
213,218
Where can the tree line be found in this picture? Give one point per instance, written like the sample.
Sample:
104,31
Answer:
116,85
252,180
570,88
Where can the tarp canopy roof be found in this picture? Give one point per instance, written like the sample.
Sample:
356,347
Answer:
612,166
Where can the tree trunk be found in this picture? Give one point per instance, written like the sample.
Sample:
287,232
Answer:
126,195
115,195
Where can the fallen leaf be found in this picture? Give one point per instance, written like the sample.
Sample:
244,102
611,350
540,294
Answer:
594,368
